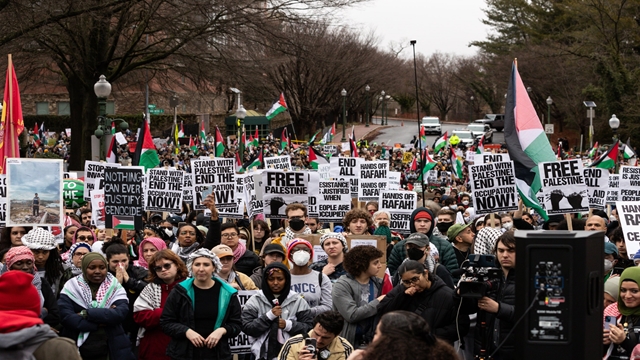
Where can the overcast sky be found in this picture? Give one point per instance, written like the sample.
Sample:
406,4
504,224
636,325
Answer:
437,25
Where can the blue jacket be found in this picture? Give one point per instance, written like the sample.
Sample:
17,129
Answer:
73,324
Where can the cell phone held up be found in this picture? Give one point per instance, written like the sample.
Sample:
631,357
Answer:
609,321
311,345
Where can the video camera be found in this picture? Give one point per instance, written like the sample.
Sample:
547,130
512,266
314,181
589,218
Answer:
480,277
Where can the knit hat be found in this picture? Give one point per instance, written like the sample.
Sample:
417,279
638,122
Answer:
610,249
612,286
19,301
636,257
383,229
273,248
418,239
633,274
202,252
332,235
18,253
158,243
222,250
39,239
295,242
455,230
423,215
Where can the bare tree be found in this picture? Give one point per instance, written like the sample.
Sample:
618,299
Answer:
438,81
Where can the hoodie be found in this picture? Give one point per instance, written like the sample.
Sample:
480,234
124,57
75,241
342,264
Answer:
445,249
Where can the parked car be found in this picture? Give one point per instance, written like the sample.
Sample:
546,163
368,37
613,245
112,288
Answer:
431,125
496,121
481,129
466,137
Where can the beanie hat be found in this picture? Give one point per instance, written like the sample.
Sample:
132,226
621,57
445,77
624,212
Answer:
156,242
422,215
19,301
295,242
333,235
18,253
39,239
202,252
610,248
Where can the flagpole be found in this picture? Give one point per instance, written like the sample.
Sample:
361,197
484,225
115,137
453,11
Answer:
415,74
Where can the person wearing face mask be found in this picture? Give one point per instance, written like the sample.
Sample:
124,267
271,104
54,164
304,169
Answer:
422,222
313,285
469,215
610,259
465,200
297,217
506,221
446,218
419,249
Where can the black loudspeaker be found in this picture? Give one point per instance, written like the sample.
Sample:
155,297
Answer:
565,270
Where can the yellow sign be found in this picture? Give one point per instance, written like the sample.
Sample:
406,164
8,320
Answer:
407,157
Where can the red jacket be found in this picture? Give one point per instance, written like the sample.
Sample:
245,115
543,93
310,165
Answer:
153,345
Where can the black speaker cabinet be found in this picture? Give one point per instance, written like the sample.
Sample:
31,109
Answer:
565,270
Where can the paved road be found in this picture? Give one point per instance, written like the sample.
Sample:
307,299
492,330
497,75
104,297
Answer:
404,134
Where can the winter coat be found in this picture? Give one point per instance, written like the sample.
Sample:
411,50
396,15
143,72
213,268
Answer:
178,317
439,308
133,287
247,262
445,249
257,319
50,303
38,341
339,348
346,295
256,277
73,324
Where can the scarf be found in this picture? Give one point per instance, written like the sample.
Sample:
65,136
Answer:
156,242
150,299
239,251
69,262
486,240
109,291
183,253
290,235
633,274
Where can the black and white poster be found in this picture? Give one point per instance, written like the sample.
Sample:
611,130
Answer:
312,207
236,212
187,187
217,176
334,200
394,180
488,157
94,176
346,168
372,178
493,186
330,149
164,190
278,163
282,188
3,199
400,204
629,214
563,186
613,191
123,197
629,183
241,343
254,205
597,181
97,209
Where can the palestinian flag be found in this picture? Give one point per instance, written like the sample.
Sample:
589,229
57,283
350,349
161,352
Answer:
628,150
146,154
313,138
594,152
352,136
256,138
219,143
326,138
284,140
333,131
181,131
36,136
279,107
257,161
353,147
246,142
429,163
440,144
315,158
123,222
456,166
203,134
239,167
192,145
112,157
113,128
608,159
480,148
175,139
414,164
526,141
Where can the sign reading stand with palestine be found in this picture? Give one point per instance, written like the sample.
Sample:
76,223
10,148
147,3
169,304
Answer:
164,190
281,189
334,200
629,214
123,197
218,175
400,204
373,178
629,183
493,186
563,186
597,181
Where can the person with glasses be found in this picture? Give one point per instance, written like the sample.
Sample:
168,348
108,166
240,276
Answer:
244,260
228,271
427,295
357,294
166,270
73,265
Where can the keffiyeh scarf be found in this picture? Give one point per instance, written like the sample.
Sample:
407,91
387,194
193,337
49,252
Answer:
290,235
150,299
486,240
69,261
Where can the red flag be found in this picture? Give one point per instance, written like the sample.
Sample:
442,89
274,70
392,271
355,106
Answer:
354,148
257,134
387,286
12,122
35,134
414,164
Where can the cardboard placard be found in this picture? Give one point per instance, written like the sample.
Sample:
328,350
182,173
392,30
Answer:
123,197
217,174
164,190
380,241
372,178
278,163
564,188
493,186
597,181
283,188
254,205
393,178
400,204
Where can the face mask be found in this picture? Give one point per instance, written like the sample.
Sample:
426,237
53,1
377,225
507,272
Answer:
301,258
608,265
296,224
415,254
466,219
465,203
612,218
168,232
507,226
444,227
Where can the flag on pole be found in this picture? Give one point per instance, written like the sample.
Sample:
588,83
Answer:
12,122
239,167
42,134
244,138
326,138
352,136
256,139
219,143
628,150
526,141
113,128
315,158
203,134
256,161
423,138
284,140
333,131
280,106
112,157
313,138
593,152
354,148
608,159
414,164
429,163
181,131
456,166
146,153
440,143
559,151
36,137
480,148
192,145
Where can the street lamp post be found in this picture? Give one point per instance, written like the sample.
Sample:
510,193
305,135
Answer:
383,103
549,102
614,123
367,88
102,89
344,114
471,110
241,113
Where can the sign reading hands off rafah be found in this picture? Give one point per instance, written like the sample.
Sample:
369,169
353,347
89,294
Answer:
564,187
629,214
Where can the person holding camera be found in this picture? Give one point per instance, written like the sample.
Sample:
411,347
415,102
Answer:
322,342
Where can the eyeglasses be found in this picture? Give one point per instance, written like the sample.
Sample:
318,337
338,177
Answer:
229,235
83,238
411,281
79,254
166,266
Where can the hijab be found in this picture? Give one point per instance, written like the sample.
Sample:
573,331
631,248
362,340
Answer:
158,243
629,274
87,259
266,290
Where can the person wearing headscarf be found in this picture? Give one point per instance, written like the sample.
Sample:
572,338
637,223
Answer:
148,247
611,288
73,265
274,314
486,240
93,306
620,340
21,258
197,329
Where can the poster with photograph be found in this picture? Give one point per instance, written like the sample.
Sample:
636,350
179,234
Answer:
34,192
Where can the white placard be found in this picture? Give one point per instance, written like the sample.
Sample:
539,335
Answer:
94,176
319,254
629,214
163,190
394,180
363,242
278,163
217,174
97,209
493,186
488,157
314,197
563,186
629,183
281,189
241,344
400,204
346,168
613,191
372,178
334,199
597,181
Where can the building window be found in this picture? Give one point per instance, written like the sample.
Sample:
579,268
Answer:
64,108
42,108
111,108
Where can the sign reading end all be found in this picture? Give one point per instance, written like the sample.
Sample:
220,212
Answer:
123,222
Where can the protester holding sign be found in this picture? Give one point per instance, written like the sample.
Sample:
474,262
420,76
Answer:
313,285
357,222
335,245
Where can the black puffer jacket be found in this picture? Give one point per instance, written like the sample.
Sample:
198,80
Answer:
247,262
439,308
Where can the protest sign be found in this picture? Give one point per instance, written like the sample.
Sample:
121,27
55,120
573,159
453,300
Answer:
613,191
432,178
312,207
629,183
334,199
123,197
330,149
236,212
69,175
345,168
488,157
470,156
372,179
253,204
393,180
563,187
400,204
407,157
278,163
217,174
187,188
97,209
597,181
94,176
241,344
629,214
164,190
73,193
319,254
281,189
323,170
493,186
3,199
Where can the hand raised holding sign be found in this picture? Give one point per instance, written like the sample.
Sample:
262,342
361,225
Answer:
210,202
